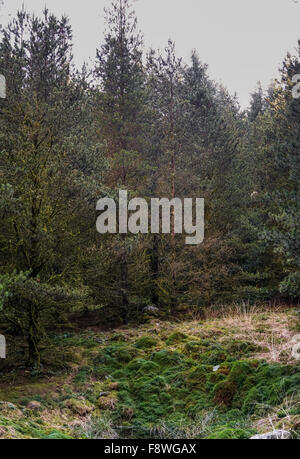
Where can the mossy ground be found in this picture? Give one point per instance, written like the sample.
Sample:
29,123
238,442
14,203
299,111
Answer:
229,377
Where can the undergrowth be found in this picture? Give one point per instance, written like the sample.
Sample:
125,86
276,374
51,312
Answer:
217,378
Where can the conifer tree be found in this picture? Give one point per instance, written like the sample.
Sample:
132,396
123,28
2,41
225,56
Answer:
283,197
39,189
121,77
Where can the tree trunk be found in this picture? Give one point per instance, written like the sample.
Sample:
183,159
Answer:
124,289
33,339
154,266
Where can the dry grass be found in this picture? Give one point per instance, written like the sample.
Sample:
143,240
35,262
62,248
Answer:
243,308
271,332
98,428
267,326
109,402
286,421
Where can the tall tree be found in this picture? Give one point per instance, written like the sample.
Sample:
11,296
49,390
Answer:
39,189
283,231
121,112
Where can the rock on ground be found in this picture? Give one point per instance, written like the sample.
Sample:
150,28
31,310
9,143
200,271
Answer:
34,405
275,435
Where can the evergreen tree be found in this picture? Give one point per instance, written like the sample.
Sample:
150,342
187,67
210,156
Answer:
121,117
283,231
39,189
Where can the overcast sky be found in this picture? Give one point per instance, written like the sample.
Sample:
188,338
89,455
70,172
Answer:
243,41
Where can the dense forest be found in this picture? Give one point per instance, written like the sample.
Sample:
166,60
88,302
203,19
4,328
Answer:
147,122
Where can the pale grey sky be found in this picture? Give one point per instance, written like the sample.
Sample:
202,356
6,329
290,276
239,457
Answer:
243,41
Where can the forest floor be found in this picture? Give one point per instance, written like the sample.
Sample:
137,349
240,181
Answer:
223,377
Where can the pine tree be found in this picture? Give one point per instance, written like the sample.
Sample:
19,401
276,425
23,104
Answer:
39,189
121,113
257,103
283,231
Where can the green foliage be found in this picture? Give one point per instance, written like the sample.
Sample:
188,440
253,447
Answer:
40,187
166,392
290,286
168,386
230,434
56,435
146,342
157,127
176,337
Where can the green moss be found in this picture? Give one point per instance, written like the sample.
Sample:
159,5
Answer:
116,355
193,348
165,358
271,385
80,407
148,368
208,388
236,383
196,377
240,349
228,433
119,337
167,384
27,428
146,342
56,435
214,357
176,337
240,371
83,375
